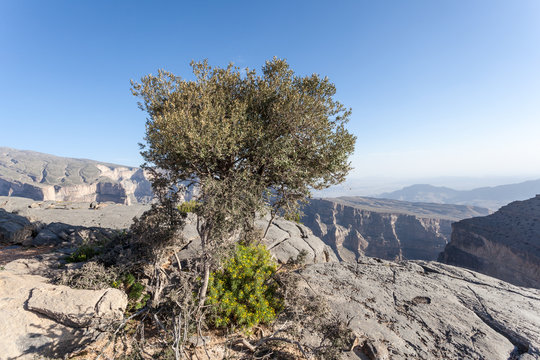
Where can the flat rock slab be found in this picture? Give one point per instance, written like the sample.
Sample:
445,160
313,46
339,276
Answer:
35,316
110,216
428,310
78,308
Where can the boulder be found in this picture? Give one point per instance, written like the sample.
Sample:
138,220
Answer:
34,313
285,240
79,308
14,229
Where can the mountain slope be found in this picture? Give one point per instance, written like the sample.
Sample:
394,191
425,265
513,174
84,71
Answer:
47,177
505,245
490,197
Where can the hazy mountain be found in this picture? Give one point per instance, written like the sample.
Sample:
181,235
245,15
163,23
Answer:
489,197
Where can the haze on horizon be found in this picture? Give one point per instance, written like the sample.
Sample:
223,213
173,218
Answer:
439,90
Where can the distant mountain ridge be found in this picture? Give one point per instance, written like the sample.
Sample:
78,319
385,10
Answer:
42,176
489,197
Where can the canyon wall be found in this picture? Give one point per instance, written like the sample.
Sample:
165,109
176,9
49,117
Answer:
505,245
387,229
46,177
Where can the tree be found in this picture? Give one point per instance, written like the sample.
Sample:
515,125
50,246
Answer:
247,142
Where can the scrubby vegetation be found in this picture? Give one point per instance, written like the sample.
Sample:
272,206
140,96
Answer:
83,253
243,293
247,144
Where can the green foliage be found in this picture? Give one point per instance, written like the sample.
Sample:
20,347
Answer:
295,216
137,296
188,206
241,294
84,253
246,140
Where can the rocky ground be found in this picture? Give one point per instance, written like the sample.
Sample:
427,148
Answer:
428,310
39,319
395,310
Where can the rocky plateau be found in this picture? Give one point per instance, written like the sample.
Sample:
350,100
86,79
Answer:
395,309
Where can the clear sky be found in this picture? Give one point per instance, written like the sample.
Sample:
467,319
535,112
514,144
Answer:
437,88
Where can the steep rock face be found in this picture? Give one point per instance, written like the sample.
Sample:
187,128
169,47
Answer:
46,177
426,310
505,245
388,230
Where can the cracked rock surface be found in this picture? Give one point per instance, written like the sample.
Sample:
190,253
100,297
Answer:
41,319
428,310
284,239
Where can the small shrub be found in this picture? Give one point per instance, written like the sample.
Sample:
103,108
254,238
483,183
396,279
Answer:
296,217
299,260
83,253
188,206
241,294
91,275
137,296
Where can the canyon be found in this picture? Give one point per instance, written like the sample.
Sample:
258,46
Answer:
387,229
46,177
505,245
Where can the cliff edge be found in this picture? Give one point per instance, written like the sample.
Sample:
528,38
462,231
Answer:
505,245
387,229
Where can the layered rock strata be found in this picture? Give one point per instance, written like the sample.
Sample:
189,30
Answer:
46,177
388,230
505,245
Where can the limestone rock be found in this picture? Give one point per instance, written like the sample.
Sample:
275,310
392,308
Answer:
388,229
114,216
505,245
427,310
28,334
46,177
79,308
285,240
14,229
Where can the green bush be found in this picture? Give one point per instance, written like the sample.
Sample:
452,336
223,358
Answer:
83,253
188,206
137,296
296,217
241,294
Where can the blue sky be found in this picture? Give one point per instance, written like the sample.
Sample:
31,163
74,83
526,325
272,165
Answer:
437,88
